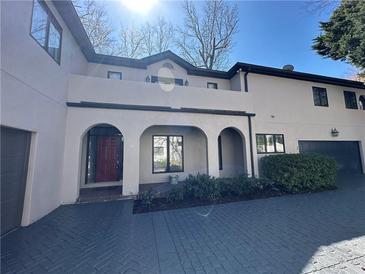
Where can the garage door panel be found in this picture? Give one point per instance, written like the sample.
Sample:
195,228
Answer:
346,153
14,162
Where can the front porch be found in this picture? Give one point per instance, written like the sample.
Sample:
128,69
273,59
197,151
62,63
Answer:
164,151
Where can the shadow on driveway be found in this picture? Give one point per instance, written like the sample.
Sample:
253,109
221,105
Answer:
301,233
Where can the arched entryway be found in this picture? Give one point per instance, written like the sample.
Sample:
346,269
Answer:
171,150
231,153
102,157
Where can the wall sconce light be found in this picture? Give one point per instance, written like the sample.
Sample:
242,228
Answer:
186,82
334,132
148,79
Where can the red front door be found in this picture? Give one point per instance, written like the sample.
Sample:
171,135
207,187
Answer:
107,159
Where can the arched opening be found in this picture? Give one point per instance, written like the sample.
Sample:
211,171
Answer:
102,157
231,153
362,102
171,150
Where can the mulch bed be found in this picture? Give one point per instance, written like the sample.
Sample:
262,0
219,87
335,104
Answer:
159,204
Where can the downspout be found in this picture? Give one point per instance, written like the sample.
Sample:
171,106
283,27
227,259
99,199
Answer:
245,81
251,148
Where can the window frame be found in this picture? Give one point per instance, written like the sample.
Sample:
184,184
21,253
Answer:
346,94
320,89
274,139
212,83
167,154
119,72
175,81
50,19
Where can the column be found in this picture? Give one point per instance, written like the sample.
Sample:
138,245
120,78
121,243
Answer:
131,165
213,159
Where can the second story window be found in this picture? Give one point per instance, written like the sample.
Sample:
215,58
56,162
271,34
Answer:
46,30
115,75
167,80
350,99
212,85
320,97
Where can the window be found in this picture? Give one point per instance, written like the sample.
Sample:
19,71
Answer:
270,143
45,30
350,99
115,75
167,80
212,85
168,154
320,97
362,102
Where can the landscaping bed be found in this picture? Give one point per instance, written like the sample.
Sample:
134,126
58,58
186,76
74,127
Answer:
163,203
282,175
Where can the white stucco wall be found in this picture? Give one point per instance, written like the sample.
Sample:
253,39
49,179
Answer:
194,153
132,124
134,74
93,89
286,106
33,95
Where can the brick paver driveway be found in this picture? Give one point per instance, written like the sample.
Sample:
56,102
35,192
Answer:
322,232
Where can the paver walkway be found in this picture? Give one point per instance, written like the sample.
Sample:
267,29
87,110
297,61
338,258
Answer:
312,233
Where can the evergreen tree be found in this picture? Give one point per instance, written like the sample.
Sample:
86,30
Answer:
343,36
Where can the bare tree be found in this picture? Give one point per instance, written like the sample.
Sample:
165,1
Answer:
206,38
320,6
130,42
158,36
95,20
355,74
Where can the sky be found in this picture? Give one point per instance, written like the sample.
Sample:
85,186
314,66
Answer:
271,33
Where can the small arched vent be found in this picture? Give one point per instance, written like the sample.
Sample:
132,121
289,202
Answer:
168,65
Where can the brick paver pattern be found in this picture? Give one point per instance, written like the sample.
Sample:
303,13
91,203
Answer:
311,233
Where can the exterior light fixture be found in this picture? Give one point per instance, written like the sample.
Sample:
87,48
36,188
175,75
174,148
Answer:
334,132
148,79
186,82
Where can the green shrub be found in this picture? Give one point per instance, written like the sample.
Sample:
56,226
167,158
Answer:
300,172
202,187
175,194
146,197
246,186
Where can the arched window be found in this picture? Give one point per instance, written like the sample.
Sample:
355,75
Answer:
362,102
168,65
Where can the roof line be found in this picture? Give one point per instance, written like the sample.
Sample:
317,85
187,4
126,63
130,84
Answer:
84,104
73,22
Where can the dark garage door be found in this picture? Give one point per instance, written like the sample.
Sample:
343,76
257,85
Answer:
346,153
13,173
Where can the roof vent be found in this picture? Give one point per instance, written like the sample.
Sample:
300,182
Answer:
288,67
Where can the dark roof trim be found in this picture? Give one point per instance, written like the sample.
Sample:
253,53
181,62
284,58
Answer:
72,20
294,75
73,23
83,104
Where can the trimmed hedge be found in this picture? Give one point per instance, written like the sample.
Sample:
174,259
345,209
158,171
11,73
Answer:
297,173
203,187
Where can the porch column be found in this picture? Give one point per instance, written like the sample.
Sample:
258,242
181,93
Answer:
131,164
212,150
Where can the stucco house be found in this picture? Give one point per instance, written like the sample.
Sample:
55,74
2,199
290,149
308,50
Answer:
72,119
